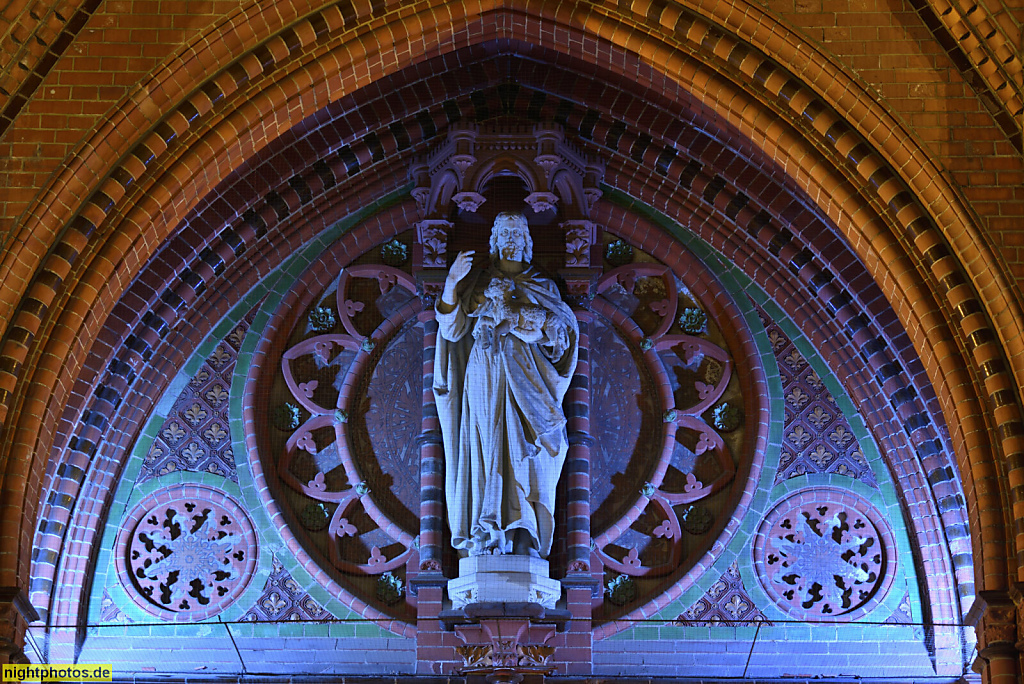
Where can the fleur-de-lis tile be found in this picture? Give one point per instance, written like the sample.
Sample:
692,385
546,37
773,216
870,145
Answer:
216,395
193,453
797,398
173,432
219,357
795,360
215,433
195,414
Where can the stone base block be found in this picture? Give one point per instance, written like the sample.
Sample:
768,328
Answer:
504,579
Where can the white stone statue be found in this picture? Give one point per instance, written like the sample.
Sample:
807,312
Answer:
506,351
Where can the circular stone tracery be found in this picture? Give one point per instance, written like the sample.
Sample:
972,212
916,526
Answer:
824,553
347,349
185,553
621,398
392,419
667,491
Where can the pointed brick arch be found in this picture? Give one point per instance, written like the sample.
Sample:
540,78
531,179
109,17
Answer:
266,69
317,186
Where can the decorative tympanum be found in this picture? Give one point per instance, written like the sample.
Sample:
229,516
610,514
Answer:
824,553
186,553
649,444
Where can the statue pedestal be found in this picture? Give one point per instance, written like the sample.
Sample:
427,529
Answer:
504,579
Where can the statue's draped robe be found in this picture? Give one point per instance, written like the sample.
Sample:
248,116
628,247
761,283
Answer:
499,402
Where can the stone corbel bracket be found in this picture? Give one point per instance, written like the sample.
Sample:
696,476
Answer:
504,642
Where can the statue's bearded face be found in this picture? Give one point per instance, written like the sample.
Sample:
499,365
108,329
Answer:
510,241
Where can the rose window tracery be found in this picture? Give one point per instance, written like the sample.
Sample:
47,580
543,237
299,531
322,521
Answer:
668,415
824,553
667,412
347,458
186,553
345,428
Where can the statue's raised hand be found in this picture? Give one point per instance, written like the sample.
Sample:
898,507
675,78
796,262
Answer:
461,267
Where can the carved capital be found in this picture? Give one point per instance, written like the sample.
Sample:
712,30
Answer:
996,618
579,566
429,289
422,196
432,241
16,612
505,641
579,240
469,201
512,644
580,286
548,162
463,162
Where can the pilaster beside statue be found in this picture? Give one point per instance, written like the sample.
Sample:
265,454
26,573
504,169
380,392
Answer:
506,352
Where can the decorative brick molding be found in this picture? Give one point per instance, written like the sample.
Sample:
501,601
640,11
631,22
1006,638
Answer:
40,35
985,44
